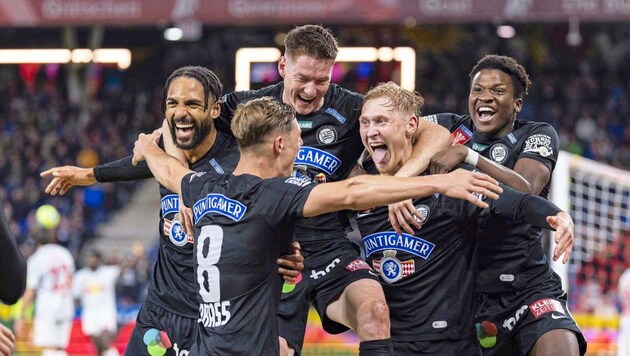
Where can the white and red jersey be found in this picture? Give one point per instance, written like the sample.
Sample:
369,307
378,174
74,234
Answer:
96,289
50,271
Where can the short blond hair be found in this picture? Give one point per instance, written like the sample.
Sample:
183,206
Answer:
255,119
400,99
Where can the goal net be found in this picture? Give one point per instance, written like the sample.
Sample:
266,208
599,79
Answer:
598,198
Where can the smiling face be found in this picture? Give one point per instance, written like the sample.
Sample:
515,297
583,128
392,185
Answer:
491,102
185,113
387,134
306,81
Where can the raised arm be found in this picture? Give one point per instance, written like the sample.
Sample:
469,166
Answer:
12,264
367,191
166,169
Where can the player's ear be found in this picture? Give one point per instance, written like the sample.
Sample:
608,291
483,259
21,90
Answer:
215,109
412,126
282,66
518,104
278,145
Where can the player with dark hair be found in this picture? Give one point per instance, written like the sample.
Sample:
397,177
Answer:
429,277
190,105
520,296
244,220
340,285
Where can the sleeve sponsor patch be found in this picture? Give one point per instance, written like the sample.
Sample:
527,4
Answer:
540,144
299,181
430,118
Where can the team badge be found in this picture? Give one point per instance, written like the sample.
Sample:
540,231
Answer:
391,267
326,134
461,135
320,178
424,212
176,233
499,153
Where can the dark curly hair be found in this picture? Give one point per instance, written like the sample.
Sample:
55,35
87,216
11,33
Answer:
508,65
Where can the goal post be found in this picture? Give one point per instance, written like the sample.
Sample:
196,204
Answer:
598,198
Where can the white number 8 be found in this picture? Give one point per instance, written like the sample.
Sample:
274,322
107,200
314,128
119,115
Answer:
209,246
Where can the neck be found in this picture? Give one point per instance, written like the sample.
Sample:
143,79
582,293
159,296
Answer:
196,153
255,164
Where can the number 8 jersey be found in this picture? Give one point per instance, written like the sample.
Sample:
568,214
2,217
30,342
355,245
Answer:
242,225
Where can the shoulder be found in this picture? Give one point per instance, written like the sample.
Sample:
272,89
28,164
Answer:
448,120
274,90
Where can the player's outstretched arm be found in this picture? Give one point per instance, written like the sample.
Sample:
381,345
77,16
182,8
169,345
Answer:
166,169
446,160
367,191
66,177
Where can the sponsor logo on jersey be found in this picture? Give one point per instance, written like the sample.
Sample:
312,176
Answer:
216,166
317,158
506,278
510,322
540,144
439,324
220,204
546,305
363,213
357,265
389,240
169,204
300,182
305,124
212,315
461,135
320,178
391,269
499,153
336,115
430,118
326,134
177,235
479,146
424,212
318,274
193,176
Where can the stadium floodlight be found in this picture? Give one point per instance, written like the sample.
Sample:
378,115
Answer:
120,56
506,31
173,34
405,55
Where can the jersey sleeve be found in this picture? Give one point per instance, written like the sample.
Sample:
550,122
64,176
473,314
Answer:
192,185
12,264
448,120
284,198
542,144
123,170
229,103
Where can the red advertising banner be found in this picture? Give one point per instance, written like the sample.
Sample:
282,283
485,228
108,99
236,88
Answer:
243,12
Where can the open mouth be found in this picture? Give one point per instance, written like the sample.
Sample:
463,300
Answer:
184,131
485,113
305,100
379,151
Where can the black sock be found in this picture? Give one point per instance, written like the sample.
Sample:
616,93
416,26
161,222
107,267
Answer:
382,347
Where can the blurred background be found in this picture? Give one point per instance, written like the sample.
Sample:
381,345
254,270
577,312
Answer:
86,108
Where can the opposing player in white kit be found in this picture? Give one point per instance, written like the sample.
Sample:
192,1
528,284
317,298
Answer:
49,283
95,286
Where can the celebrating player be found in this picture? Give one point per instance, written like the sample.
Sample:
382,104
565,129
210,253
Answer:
190,105
520,294
335,280
245,219
429,277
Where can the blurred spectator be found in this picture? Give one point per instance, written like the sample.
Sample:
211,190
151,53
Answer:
624,324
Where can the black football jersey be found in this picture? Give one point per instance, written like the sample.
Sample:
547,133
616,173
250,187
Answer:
242,225
332,145
174,282
429,278
521,260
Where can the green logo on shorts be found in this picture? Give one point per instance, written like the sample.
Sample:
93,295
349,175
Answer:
157,342
487,334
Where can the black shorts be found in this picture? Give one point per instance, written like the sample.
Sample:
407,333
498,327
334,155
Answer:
158,329
519,318
467,347
325,276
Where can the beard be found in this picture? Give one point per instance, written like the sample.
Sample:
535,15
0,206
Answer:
200,131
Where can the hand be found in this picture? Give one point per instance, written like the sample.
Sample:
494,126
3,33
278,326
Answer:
563,224
66,177
461,184
291,265
142,143
7,341
403,213
444,161
185,218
